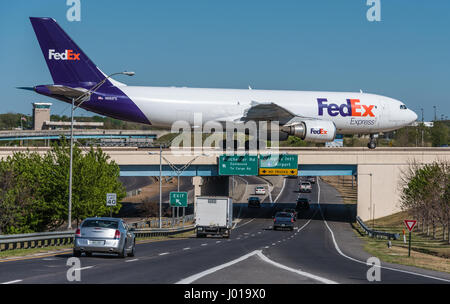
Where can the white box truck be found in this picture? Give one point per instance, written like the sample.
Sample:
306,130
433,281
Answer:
213,215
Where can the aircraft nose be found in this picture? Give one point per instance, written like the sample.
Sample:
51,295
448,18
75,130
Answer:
413,116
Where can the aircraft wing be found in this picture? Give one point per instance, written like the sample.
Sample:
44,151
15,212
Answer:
270,112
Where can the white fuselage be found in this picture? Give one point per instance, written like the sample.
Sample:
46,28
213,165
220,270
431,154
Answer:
352,113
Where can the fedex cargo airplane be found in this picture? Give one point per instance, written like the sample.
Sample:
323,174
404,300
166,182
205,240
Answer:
311,116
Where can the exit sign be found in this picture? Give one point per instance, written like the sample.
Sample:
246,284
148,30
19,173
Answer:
178,199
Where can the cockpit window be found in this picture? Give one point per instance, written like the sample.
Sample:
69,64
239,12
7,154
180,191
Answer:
402,107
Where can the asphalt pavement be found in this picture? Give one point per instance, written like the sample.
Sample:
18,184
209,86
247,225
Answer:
322,249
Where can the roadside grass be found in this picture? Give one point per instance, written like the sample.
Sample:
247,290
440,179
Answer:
55,250
178,236
426,252
345,187
33,251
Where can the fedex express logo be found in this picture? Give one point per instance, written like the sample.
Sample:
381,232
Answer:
318,131
351,108
67,55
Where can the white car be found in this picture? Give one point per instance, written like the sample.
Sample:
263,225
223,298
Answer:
305,187
260,190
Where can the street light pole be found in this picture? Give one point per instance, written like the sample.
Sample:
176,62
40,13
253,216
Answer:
82,98
160,185
70,167
422,126
178,172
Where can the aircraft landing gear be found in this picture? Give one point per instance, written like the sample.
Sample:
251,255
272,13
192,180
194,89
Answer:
372,143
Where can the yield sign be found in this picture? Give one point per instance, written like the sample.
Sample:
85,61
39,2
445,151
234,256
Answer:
410,224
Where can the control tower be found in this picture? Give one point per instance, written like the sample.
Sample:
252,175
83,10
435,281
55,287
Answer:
41,113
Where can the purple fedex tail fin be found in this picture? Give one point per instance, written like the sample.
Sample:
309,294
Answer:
74,73
65,60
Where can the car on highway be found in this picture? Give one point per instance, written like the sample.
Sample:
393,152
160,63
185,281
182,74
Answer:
311,179
283,220
104,235
260,190
302,203
293,211
254,202
305,187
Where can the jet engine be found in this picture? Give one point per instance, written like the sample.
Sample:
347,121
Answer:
319,131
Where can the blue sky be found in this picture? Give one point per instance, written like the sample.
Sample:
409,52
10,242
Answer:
323,45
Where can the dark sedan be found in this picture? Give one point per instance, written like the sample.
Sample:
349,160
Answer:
283,220
254,201
302,204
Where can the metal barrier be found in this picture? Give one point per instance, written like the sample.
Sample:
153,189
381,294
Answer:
151,232
59,238
33,240
375,233
165,222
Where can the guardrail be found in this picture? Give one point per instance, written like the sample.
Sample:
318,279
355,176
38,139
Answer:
375,233
33,240
152,232
165,222
59,238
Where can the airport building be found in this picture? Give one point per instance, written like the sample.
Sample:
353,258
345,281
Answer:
41,120
41,113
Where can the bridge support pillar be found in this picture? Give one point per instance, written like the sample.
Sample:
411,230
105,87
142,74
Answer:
197,181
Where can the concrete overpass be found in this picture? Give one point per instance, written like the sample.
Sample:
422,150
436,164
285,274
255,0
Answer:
79,134
378,171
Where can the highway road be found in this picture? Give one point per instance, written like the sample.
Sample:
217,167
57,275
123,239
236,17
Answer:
321,250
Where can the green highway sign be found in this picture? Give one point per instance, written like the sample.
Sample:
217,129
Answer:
238,165
178,199
278,164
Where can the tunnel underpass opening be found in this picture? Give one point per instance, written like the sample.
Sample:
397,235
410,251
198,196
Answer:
207,182
338,196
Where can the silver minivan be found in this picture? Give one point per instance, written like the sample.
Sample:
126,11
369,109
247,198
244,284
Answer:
106,235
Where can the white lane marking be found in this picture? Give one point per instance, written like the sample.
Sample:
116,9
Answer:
240,208
187,248
297,271
50,259
217,242
243,224
164,253
12,282
84,268
282,189
204,244
133,260
197,276
361,262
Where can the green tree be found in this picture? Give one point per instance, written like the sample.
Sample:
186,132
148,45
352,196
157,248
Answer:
440,134
34,188
94,177
16,202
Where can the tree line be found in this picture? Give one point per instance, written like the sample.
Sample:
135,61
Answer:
425,194
34,188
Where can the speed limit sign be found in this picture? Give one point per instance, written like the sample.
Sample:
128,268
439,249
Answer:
111,199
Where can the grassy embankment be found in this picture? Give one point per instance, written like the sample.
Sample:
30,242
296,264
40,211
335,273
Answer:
426,252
